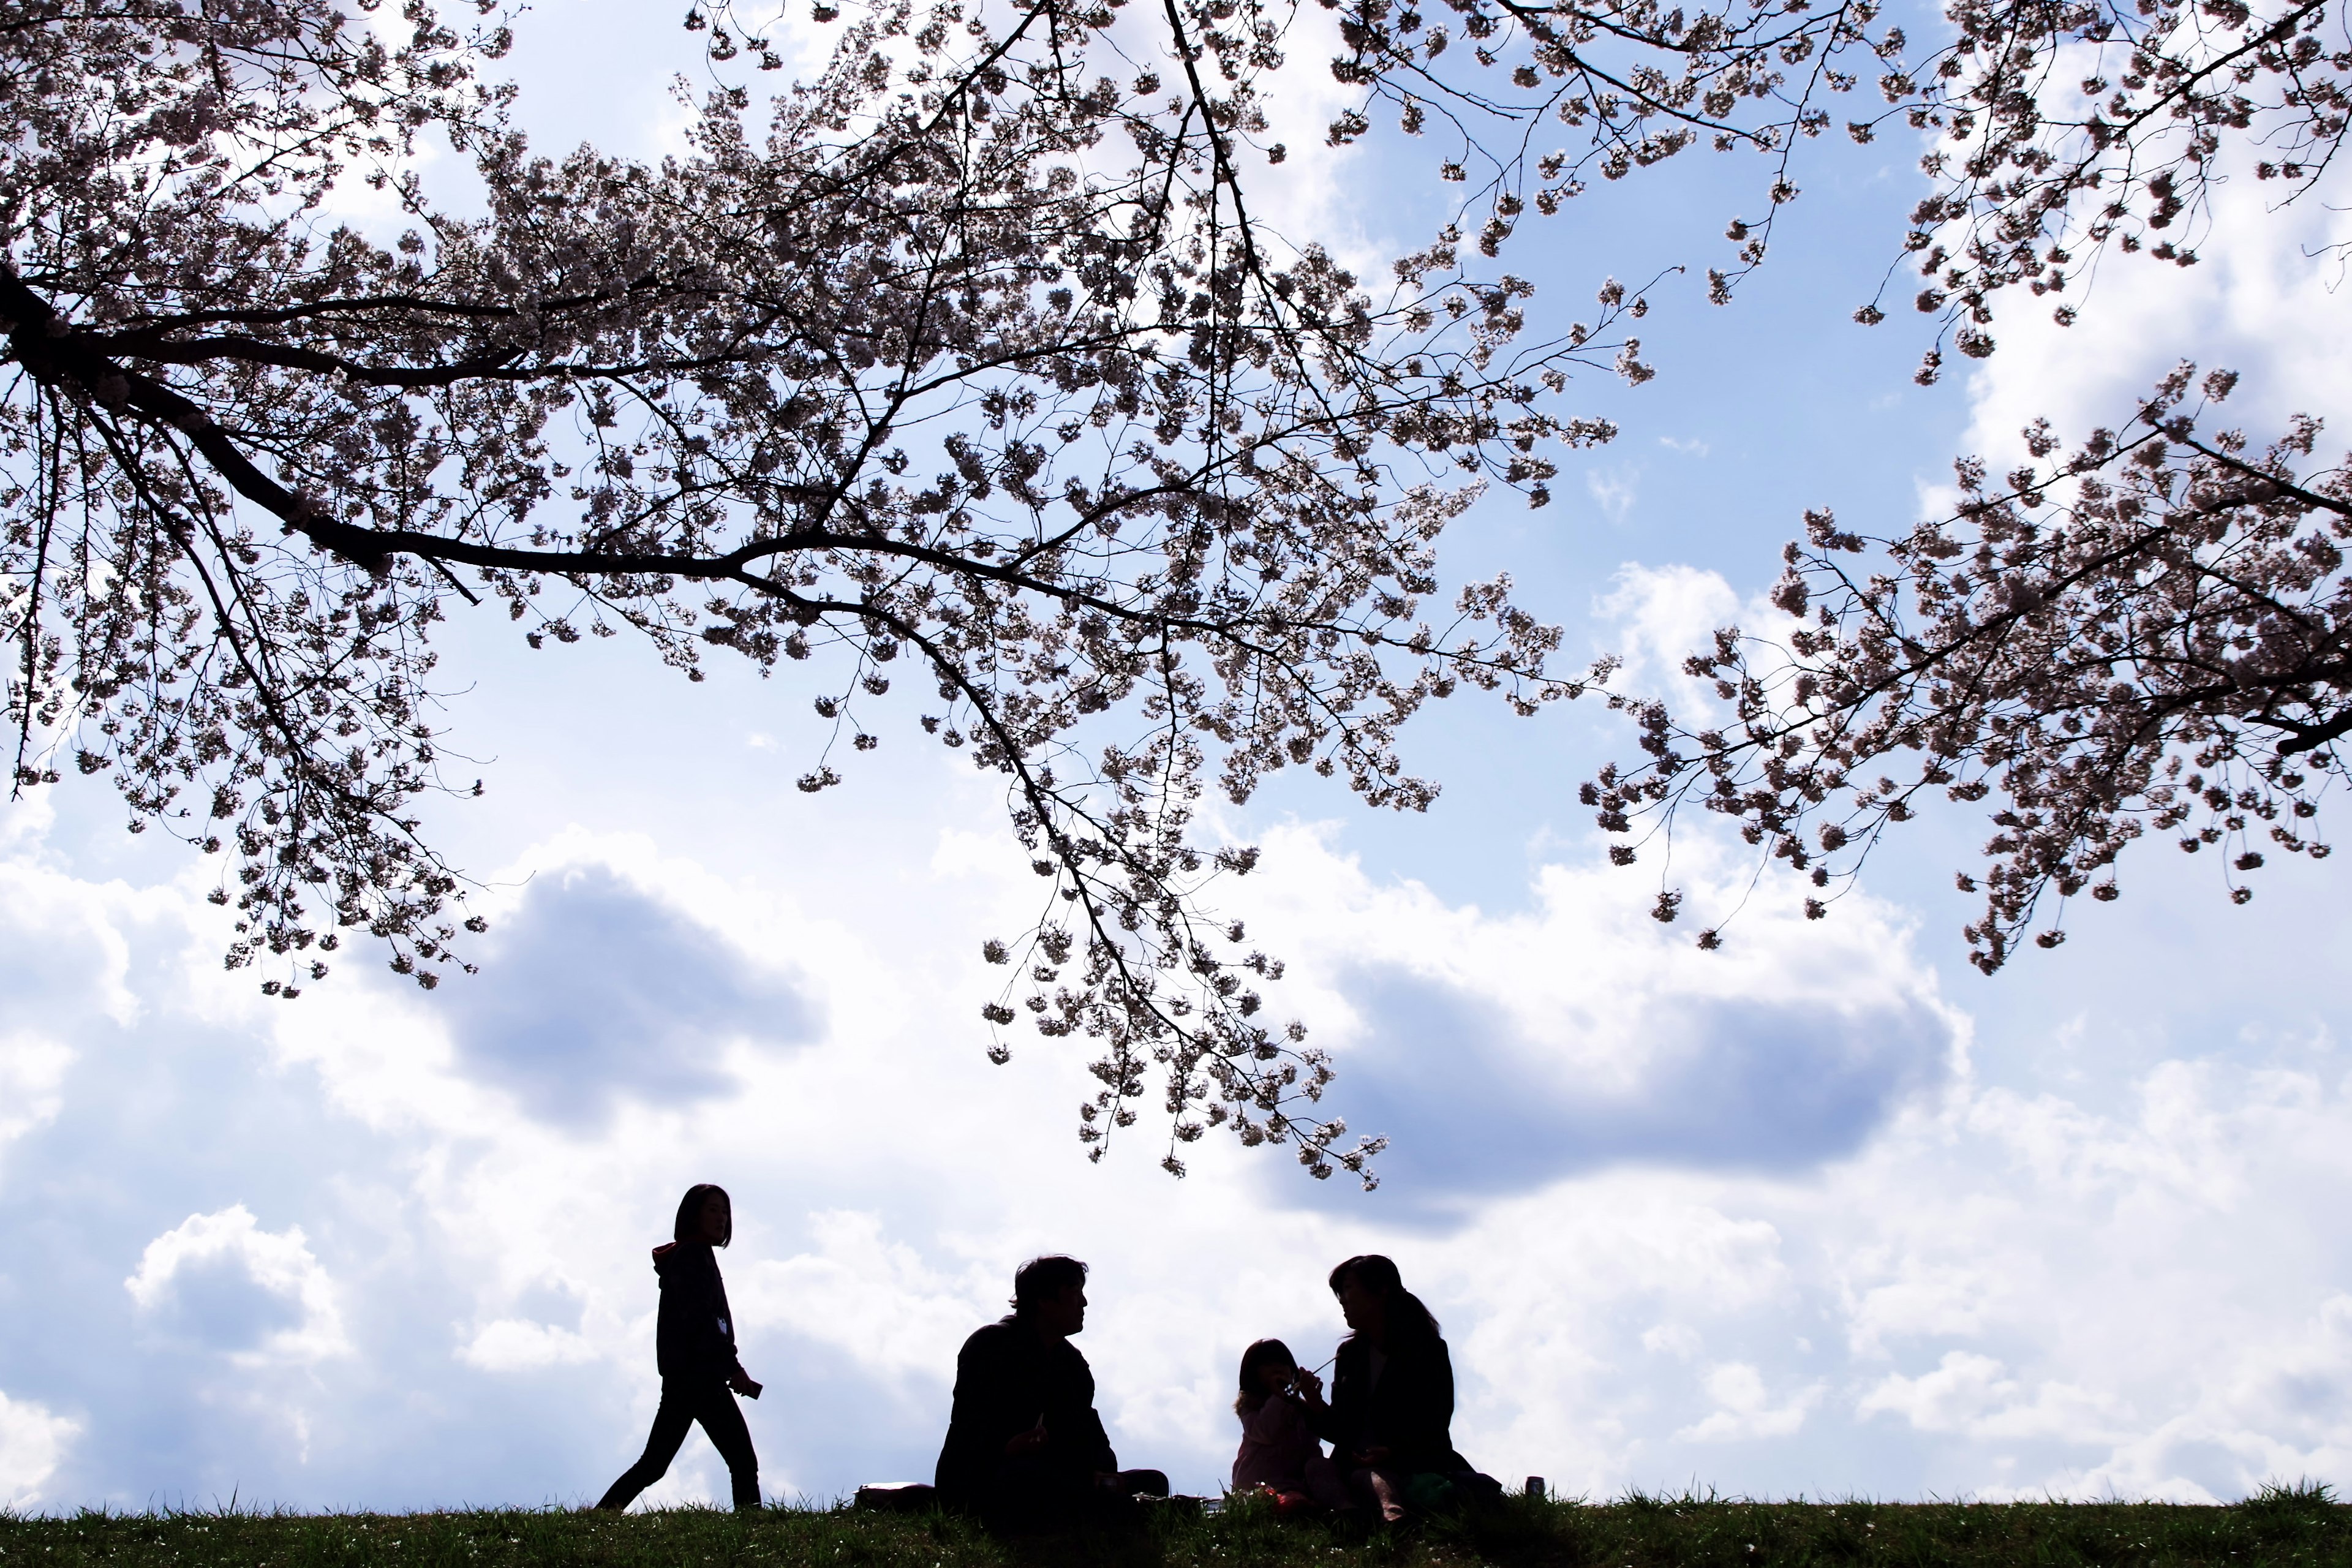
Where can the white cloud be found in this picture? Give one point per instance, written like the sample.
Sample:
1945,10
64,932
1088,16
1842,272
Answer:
877,1301
1921,1299
1614,488
1320,192
2265,299
1672,1338
1744,1410
1656,616
32,1073
278,1264
77,926
1580,1031
32,1444
1973,1393
515,1344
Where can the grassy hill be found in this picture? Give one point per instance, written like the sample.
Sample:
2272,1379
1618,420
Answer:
2299,1526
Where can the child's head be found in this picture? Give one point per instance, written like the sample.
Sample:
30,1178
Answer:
1268,1368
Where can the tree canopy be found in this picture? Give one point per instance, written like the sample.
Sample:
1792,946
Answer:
965,372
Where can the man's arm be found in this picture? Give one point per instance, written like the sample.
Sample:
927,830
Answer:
1102,1460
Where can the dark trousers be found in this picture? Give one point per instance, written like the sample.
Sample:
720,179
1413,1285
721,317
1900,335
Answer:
683,1404
1032,1492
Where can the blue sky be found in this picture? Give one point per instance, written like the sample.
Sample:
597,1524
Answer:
1825,1213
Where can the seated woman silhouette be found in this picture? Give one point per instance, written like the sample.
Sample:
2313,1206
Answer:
1390,1415
694,1346
1024,1449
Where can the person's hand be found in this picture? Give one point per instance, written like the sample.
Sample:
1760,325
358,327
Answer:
1027,1442
741,1383
1308,1386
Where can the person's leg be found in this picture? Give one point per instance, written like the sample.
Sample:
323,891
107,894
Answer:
722,1418
1149,1483
1028,1493
671,1419
1326,1485
1379,1492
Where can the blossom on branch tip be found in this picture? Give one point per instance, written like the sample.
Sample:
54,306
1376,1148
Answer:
2031,648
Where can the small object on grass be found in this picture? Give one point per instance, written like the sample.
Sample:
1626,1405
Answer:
898,1496
1176,1505
1535,1486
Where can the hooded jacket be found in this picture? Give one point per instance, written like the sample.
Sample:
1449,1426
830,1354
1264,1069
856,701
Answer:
694,1338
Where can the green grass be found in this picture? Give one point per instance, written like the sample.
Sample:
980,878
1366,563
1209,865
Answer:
2284,1526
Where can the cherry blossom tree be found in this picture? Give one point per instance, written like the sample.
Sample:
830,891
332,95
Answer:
967,387
963,380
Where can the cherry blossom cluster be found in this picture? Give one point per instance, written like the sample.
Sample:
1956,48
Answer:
2151,634
2058,128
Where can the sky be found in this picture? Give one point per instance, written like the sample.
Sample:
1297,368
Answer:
1824,1215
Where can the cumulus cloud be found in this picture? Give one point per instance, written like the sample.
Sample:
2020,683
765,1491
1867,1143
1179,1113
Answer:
594,991
32,1071
876,1301
2050,1337
1656,616
2260,302
256,1295
514,1344
1975,1394
32,1442
1745,1409
1502,1051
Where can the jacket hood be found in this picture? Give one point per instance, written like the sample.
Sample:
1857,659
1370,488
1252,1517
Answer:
678,1255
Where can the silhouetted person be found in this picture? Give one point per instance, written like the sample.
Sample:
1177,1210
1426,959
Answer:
1025,1448
1279,1454
1390,1416
694,1346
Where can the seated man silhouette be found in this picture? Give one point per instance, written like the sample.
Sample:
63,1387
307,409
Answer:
1024,1449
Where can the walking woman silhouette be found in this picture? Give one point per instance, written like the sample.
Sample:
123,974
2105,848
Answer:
694,1346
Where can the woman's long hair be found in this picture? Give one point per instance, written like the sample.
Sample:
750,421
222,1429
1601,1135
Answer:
1264,1352
688,1225
1409,1320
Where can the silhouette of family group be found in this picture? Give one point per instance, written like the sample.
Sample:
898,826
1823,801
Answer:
1025,1448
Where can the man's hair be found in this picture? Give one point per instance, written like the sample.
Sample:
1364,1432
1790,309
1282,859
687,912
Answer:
688,1225
1041,1278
